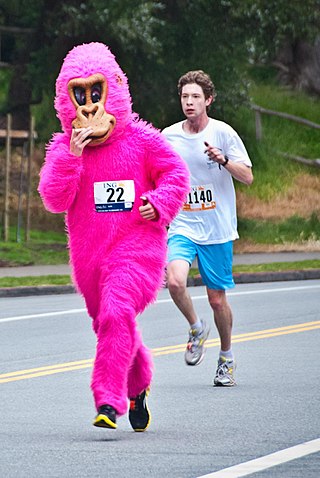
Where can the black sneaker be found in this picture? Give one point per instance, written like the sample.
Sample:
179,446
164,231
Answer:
139,414
106,418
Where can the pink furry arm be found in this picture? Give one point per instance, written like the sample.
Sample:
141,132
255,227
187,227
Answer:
171,178
60,175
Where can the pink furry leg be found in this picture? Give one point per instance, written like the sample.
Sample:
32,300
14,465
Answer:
118,339
115,340
140,372
128,283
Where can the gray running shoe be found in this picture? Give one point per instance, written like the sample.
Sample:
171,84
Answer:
224,374
194,353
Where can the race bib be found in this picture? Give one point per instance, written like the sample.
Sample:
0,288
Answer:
114,196
200,198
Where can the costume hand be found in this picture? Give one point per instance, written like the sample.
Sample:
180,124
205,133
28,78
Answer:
79,139
147,211
214,153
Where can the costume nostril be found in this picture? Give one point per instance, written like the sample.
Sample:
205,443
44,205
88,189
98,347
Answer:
89,111
95,109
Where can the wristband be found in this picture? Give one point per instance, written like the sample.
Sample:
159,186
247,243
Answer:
226,160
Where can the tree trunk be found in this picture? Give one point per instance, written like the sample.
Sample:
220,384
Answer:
298,63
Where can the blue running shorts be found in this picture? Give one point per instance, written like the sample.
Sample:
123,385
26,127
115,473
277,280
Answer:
214,260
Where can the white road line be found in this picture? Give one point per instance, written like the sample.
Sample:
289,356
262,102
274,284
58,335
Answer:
251,292
268,461
44,314
161,301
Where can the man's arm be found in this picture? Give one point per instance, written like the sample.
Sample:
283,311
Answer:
240,171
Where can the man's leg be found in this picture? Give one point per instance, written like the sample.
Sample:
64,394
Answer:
222,316
223,320
177,274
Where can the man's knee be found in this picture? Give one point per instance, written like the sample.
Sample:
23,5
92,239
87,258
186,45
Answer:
217,300
176,282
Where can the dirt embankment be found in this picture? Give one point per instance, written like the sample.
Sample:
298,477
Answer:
302,199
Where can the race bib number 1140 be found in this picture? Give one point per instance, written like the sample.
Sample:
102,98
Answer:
200,198
114,196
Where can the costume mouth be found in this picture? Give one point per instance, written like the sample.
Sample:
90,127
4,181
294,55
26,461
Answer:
99,139
97,136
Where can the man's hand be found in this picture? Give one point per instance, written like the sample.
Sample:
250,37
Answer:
240,171
79,139
214,153
147,211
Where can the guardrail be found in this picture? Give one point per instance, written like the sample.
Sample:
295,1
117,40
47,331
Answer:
259,111
297,119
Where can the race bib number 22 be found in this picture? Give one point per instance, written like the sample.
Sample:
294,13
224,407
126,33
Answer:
114,196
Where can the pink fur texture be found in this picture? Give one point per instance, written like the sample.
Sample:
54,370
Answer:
117,258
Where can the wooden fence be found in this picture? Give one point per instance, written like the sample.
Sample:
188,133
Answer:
259,111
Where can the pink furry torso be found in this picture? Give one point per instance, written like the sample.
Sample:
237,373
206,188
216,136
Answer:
103,241
95,232
119,160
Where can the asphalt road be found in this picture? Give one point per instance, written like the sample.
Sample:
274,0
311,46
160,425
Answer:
46,347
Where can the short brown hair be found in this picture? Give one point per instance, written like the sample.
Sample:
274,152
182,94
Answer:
200,78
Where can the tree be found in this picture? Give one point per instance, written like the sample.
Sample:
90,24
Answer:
155,42
286,35
57,26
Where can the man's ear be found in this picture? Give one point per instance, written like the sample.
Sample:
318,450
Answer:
209,100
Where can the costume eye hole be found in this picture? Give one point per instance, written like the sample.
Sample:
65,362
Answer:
96,93
80,95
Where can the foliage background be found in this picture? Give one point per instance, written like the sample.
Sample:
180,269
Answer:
237,43
155,42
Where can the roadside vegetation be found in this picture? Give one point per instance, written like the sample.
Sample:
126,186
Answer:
279,212
48,280
46,248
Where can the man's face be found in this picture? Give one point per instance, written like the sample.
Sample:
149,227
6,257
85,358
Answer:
193,101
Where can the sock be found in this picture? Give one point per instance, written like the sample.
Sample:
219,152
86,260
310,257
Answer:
197,326
227,354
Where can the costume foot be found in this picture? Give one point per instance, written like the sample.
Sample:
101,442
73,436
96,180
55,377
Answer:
106,417
139,414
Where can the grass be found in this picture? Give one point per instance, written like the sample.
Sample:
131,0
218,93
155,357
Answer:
34,281
274,173
294,229
45,248
278,266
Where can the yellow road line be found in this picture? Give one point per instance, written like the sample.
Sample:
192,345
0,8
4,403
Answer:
48,367
215,342
170,349
44,373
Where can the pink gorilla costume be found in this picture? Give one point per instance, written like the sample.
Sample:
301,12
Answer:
117,257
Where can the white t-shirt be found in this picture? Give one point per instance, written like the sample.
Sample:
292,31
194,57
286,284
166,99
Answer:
209,215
